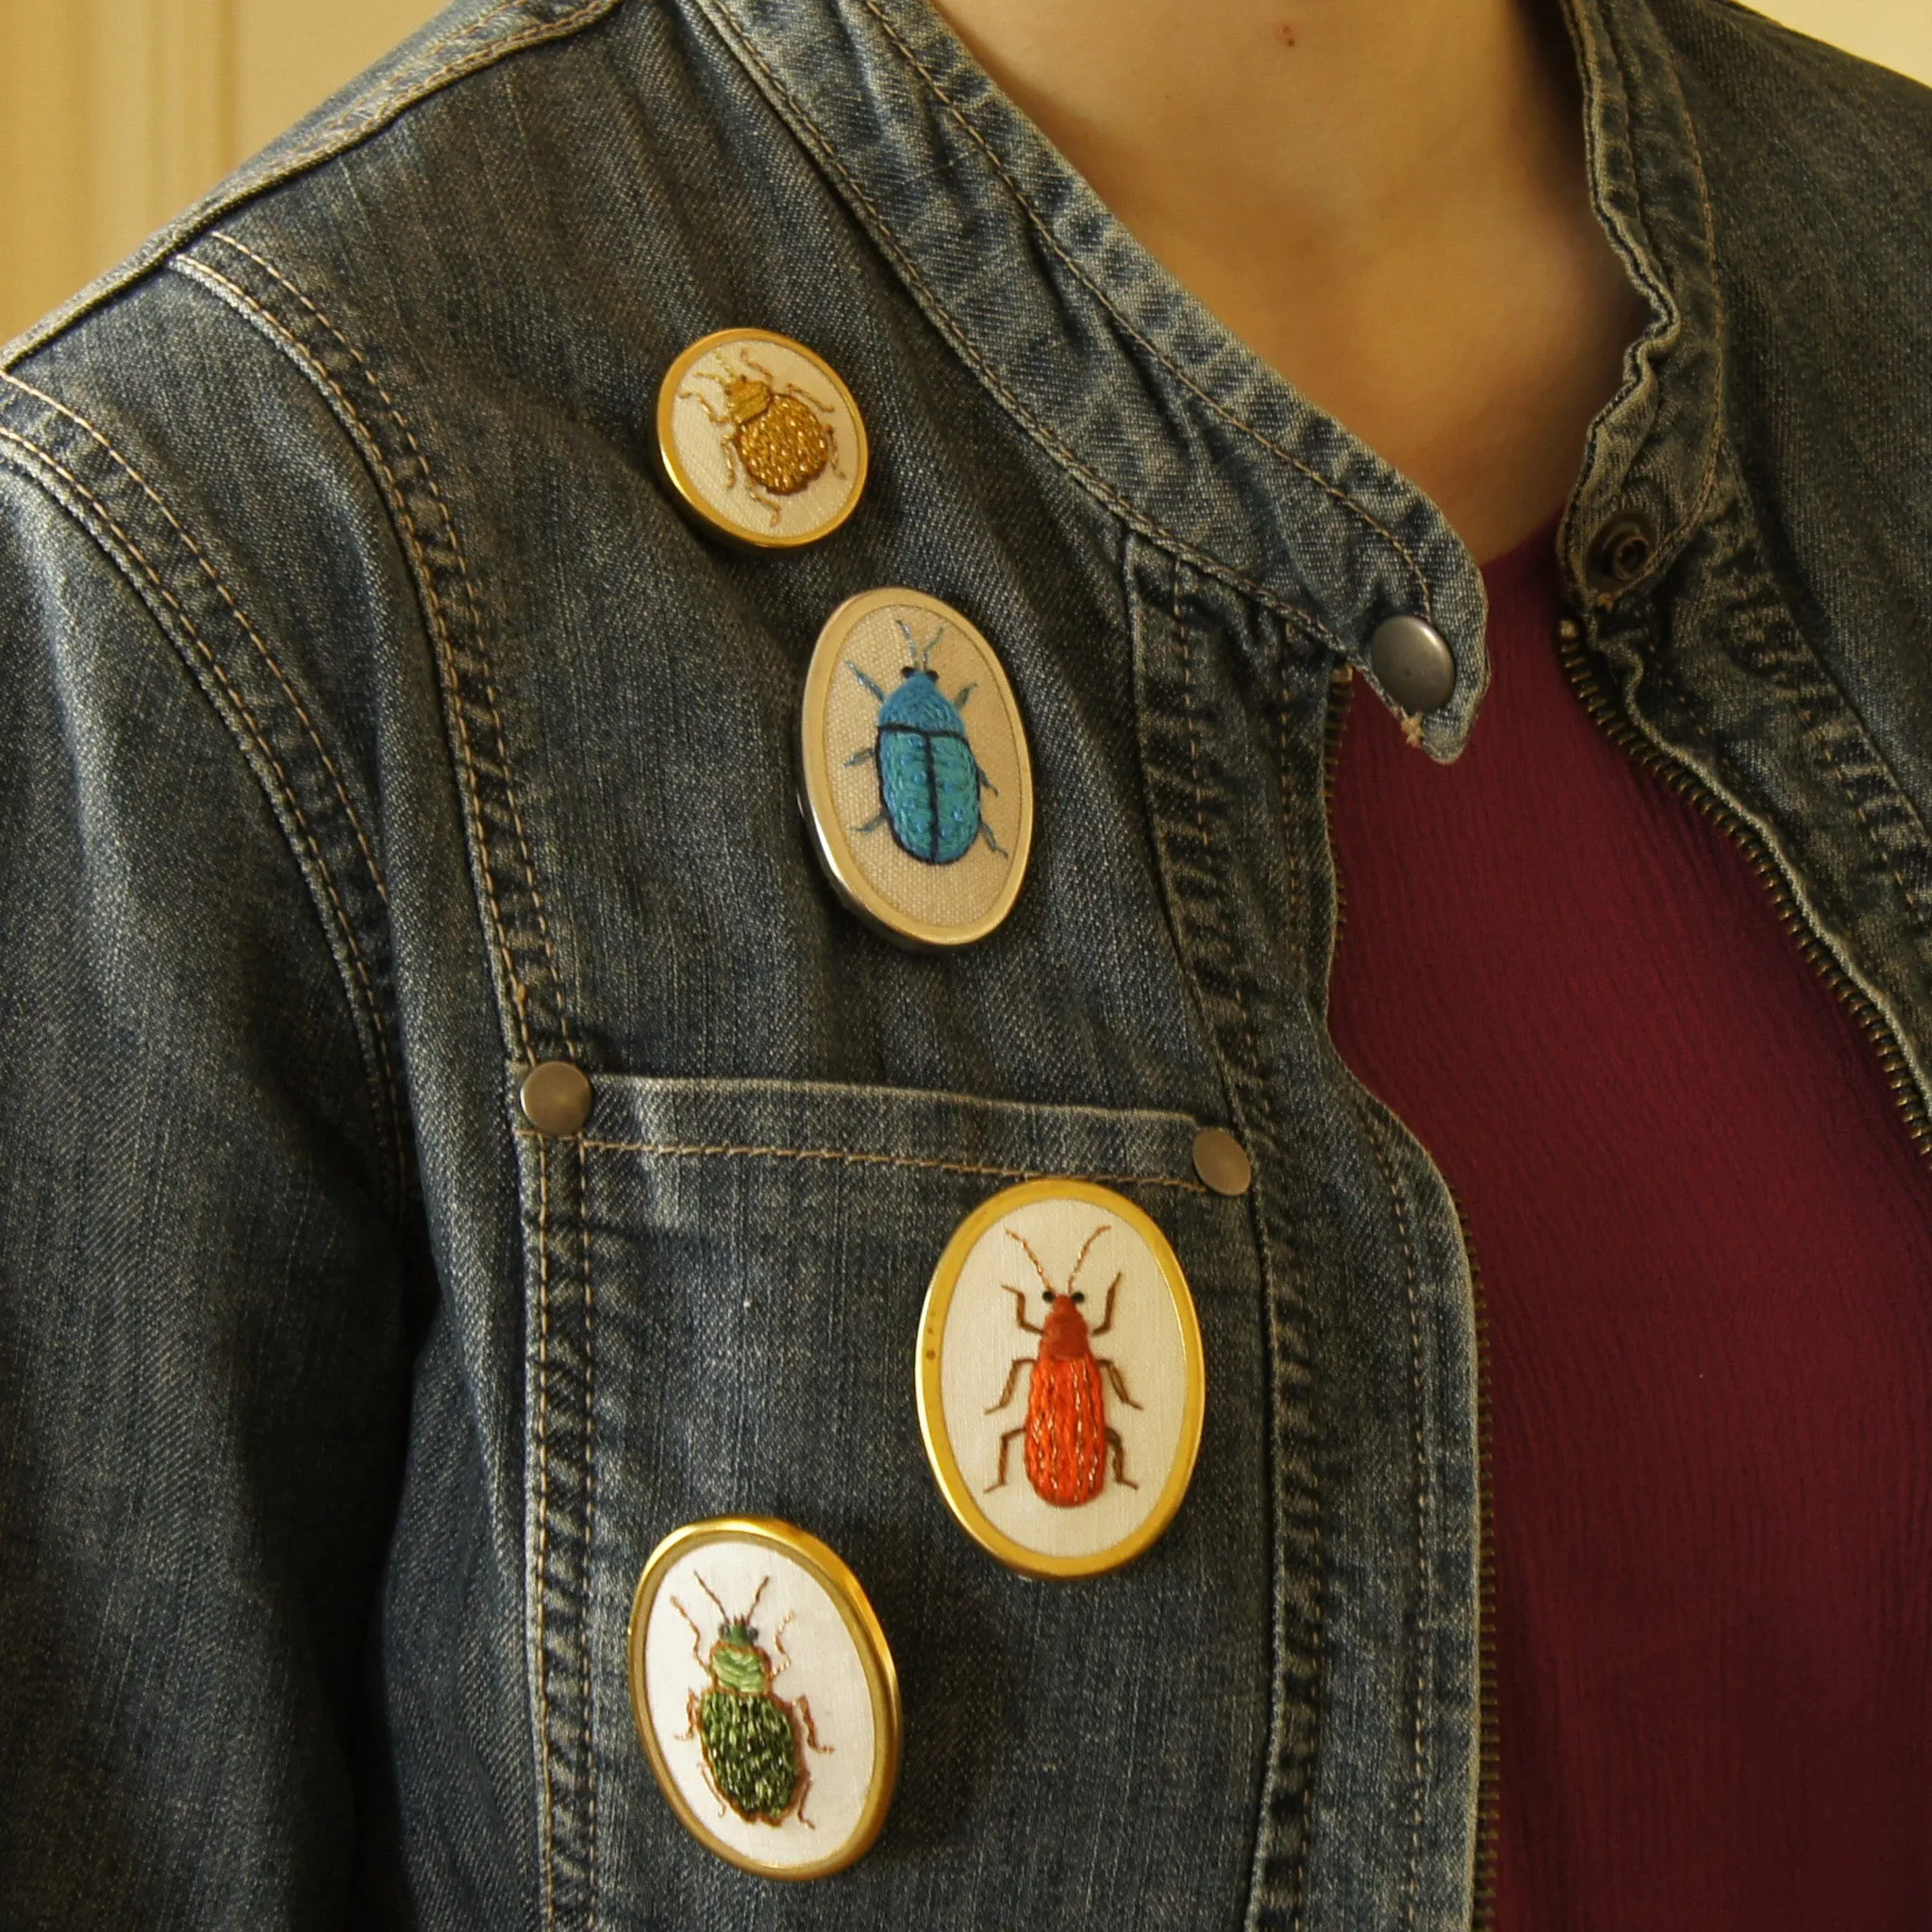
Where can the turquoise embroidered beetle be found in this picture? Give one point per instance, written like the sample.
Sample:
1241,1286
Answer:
754,1742
929,779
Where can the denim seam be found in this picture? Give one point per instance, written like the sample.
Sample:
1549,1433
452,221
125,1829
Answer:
1224,934
477,635
235,609
589,1686
1815,731
1298,915
404,523
1297,883
1653,428
1843,711
1129,513
541,1555
387,1095
1424,1570
672,1149
1133,333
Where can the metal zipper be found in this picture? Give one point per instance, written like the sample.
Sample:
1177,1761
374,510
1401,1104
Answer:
1586,679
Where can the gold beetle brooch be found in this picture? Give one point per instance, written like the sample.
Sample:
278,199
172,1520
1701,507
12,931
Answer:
760,438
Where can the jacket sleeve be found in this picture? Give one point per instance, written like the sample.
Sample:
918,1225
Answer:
203,1357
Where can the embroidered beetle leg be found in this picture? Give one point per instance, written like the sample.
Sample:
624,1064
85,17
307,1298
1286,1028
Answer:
690,1714
1023,1361
865,681
697,1636
767,503
711,1786
1120,1459
1113,1376
966,690
999,1481
704,401
872,824
811,1736
778,1643
865,755
1113,1288
1019,1311
831,433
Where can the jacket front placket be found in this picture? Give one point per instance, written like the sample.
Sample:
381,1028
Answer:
1261,548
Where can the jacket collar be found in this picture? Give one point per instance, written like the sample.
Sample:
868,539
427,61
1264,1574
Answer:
1151,406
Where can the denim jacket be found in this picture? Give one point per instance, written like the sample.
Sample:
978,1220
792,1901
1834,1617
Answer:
375,729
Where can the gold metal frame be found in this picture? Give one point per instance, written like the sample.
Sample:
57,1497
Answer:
828,834
954,1486
869,1638
687,491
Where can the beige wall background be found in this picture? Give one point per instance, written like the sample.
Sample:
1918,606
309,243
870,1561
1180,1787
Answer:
114,114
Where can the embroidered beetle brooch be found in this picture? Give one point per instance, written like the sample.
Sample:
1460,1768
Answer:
929,779
1066,1429
770,431
754,1742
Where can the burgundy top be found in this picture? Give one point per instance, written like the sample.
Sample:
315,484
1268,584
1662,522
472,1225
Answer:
1706,1244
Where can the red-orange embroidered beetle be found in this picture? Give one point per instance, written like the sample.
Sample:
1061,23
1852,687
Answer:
1066,1431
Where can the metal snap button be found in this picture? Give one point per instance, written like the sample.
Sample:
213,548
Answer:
1222,1162
760,440
918,782
1620,553
1059,1380
555,1098
1412,664
765,1696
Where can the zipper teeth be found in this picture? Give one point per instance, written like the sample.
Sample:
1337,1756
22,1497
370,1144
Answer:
1892,1064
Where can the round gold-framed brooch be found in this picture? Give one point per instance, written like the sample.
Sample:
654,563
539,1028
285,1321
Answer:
917,779
760,440
1060,1377
765,1696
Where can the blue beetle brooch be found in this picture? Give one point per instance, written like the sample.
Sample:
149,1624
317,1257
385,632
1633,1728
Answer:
918,783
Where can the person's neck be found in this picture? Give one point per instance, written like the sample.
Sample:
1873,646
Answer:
1384,198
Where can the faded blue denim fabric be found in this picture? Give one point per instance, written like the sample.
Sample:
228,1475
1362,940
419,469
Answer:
376,728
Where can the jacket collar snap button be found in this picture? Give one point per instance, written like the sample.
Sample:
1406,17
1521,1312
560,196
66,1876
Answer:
1412,664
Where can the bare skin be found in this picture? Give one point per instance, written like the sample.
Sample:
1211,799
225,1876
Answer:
1385,199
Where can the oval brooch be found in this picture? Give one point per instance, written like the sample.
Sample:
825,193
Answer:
1060,1381
918,783
765,1696
760,440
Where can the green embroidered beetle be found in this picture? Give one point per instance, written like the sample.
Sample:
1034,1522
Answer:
754,1742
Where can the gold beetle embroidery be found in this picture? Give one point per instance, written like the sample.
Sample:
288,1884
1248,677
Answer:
770,431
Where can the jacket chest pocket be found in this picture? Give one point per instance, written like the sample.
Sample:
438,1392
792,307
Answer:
726,1282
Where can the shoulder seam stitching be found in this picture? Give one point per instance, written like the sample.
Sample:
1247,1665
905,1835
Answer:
254,734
